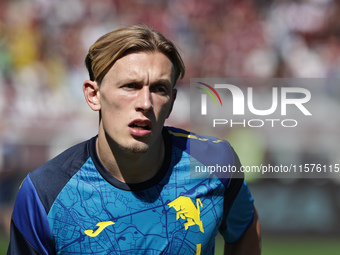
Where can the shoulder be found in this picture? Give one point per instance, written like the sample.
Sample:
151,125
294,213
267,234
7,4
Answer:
207,149
182,136
50,178
64,164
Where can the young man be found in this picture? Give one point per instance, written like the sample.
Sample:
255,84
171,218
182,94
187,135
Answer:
128,190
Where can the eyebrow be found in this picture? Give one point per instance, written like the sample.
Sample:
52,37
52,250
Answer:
163,82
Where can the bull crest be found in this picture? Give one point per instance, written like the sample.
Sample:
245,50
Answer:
187,210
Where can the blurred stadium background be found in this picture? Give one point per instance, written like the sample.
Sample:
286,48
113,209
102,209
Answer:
43,44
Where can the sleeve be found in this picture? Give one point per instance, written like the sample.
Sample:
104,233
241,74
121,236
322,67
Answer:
240,216
238,208
30,231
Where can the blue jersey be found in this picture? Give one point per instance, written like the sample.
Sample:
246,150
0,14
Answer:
72,205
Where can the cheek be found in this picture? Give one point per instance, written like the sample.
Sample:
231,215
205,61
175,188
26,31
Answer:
112,102
164,109
110,112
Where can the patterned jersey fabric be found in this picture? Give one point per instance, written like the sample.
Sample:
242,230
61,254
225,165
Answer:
72,205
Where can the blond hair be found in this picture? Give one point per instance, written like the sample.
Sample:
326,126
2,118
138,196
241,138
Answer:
118,43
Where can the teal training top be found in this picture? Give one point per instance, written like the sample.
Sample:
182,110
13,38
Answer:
72,205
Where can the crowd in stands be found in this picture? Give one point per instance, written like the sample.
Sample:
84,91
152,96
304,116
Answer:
43,44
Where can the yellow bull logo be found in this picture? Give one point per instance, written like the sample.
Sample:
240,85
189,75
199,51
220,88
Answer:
187,210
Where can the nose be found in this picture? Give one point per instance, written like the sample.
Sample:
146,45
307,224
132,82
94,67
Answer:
144,100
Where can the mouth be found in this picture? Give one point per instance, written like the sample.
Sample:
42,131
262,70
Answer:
140,125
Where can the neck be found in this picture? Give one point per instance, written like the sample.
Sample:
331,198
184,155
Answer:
129,167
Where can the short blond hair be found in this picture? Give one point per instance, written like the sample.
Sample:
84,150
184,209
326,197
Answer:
118,43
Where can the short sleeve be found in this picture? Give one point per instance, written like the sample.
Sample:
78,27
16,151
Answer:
30,232
240,215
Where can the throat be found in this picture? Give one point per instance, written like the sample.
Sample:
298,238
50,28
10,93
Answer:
132,165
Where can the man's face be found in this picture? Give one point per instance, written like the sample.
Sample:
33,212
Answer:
136,96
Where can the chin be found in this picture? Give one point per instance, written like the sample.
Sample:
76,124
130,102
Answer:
136,148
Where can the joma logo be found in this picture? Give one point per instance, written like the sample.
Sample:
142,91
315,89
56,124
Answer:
101,226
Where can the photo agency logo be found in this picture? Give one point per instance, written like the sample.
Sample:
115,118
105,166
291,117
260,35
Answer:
246,106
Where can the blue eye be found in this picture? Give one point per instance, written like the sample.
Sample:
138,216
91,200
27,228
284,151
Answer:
160,90
130,85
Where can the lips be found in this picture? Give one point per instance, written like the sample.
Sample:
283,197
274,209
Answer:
140,127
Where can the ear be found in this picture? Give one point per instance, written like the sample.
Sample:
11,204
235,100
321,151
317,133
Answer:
174,94
92,95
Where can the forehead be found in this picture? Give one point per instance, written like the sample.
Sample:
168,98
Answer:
142,66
